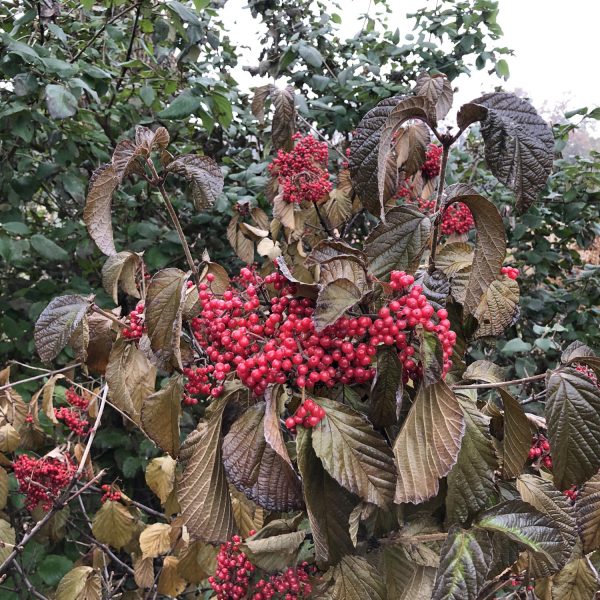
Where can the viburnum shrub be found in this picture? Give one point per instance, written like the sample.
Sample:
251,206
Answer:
326,421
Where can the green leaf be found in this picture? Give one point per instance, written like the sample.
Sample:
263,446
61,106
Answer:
53,568
181,107
355,455
202,490
399,242
516,345
428,444
471,483
310,54
60,102
184,12
47,248
56,324
464,563
147,94
573,418
329,505
517,436
16,228
355,579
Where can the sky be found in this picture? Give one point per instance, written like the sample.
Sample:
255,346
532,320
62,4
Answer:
554,42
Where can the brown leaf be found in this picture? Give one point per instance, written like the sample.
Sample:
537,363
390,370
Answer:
80,583
125,159
204,175
356,579
101,335
258,101
284,117
498,309
148,139
143,572
437,89
3,488
334,300
517,436
242,245
411,148
197,562
272,426
284,212
160,476
470,113
118,269
170,583
113,524
97,211
155,540
587,510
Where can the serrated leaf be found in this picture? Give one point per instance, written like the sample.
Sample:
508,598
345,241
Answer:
255,468
7,539
470,113
258,101
355,579
118,269
438,90
411,148
355,455
464,563
587,509
573,418
334,300
97,212
574,351
81,583
274,553
148,139
406,579
521,523
428,444
197,562
399,242
160,476
113,524
125,159
471,484
170,583
161,413
143,569
242,245
203,173
164,307
202,489
498,309
519,145
517,436
329,505
454,257
578,580
130,377
385,398
56,324
284,117
484,370
155,540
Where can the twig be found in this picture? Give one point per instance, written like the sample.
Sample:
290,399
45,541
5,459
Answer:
41,376
92,432
323,221
42,33
108,315
501,384
34,593
142,507
307,123
438,203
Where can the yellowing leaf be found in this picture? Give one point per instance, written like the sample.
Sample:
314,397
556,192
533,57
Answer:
9,438
275,552
160,476
242,245
3,488
577,580
355,579
118,269
498,309
7,539
197,562
284,212
144,572
80,583
97,211
155,540
170,582
113,524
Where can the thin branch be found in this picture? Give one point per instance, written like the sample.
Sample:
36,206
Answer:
323,221
328,142
501,384
108,315
92,432
34,593
41,376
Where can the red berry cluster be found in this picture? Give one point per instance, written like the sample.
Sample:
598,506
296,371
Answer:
292,584
540,451
110,494
432,166
136,323
572,493
517,581
510,272
74,399
302,172
588,372
42,479
73,417
232,576
308,414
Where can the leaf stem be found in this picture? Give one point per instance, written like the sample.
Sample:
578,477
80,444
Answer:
500,384
446,143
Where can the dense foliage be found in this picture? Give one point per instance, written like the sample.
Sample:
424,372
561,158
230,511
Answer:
292,324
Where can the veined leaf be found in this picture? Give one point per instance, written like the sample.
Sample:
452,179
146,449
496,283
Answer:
355,455
242,245
334,300
97,211
197,562
411,148
170,583
113,524
355,579
204,175
454,257
406,578
272,427
578,580
438,90
517,436
587,511
125,159
258,101
284,117
160,476
120,268
155,540
276,552
498,309
484,370
81,583
428,444
385,398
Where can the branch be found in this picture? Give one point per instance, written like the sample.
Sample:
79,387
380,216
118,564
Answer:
108,315
35,377
92,432
34,593
324,222
438,203
501,384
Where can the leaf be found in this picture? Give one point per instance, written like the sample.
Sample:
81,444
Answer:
399,242
60,102
121,268
310,54
385,398
248,515
356,456
160,416
170,583
7,539
454,257
490,247
258,101
101,334
364,154
97,211
465,560
272,426
160,476
411,148
241,244
574,351
333,301
521,523
517,436
181,107
147,139
155,540
415,107
202,489
3,489
164,307
113,524
484,370
587,509
406,579
471,483
283,211
438,90
205,176
47,248
274,553
9,438
255,468
56,324
355,579
328,504
284,117
130,377
81,583
577,580
143,572
428,444
470,113
125,159
197,562
498,309
573,418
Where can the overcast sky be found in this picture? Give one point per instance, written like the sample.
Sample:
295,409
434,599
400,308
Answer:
555,45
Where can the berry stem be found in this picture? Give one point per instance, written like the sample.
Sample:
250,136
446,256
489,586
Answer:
446,143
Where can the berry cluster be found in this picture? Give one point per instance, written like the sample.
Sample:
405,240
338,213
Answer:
232,576
302,172
308,414
136,323
74,399
42,479
571,493
292,584
432,166
110,494
274,340
540,451
510,272
73,417
517,581
588,372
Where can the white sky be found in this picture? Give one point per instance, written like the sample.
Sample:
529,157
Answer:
554,42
